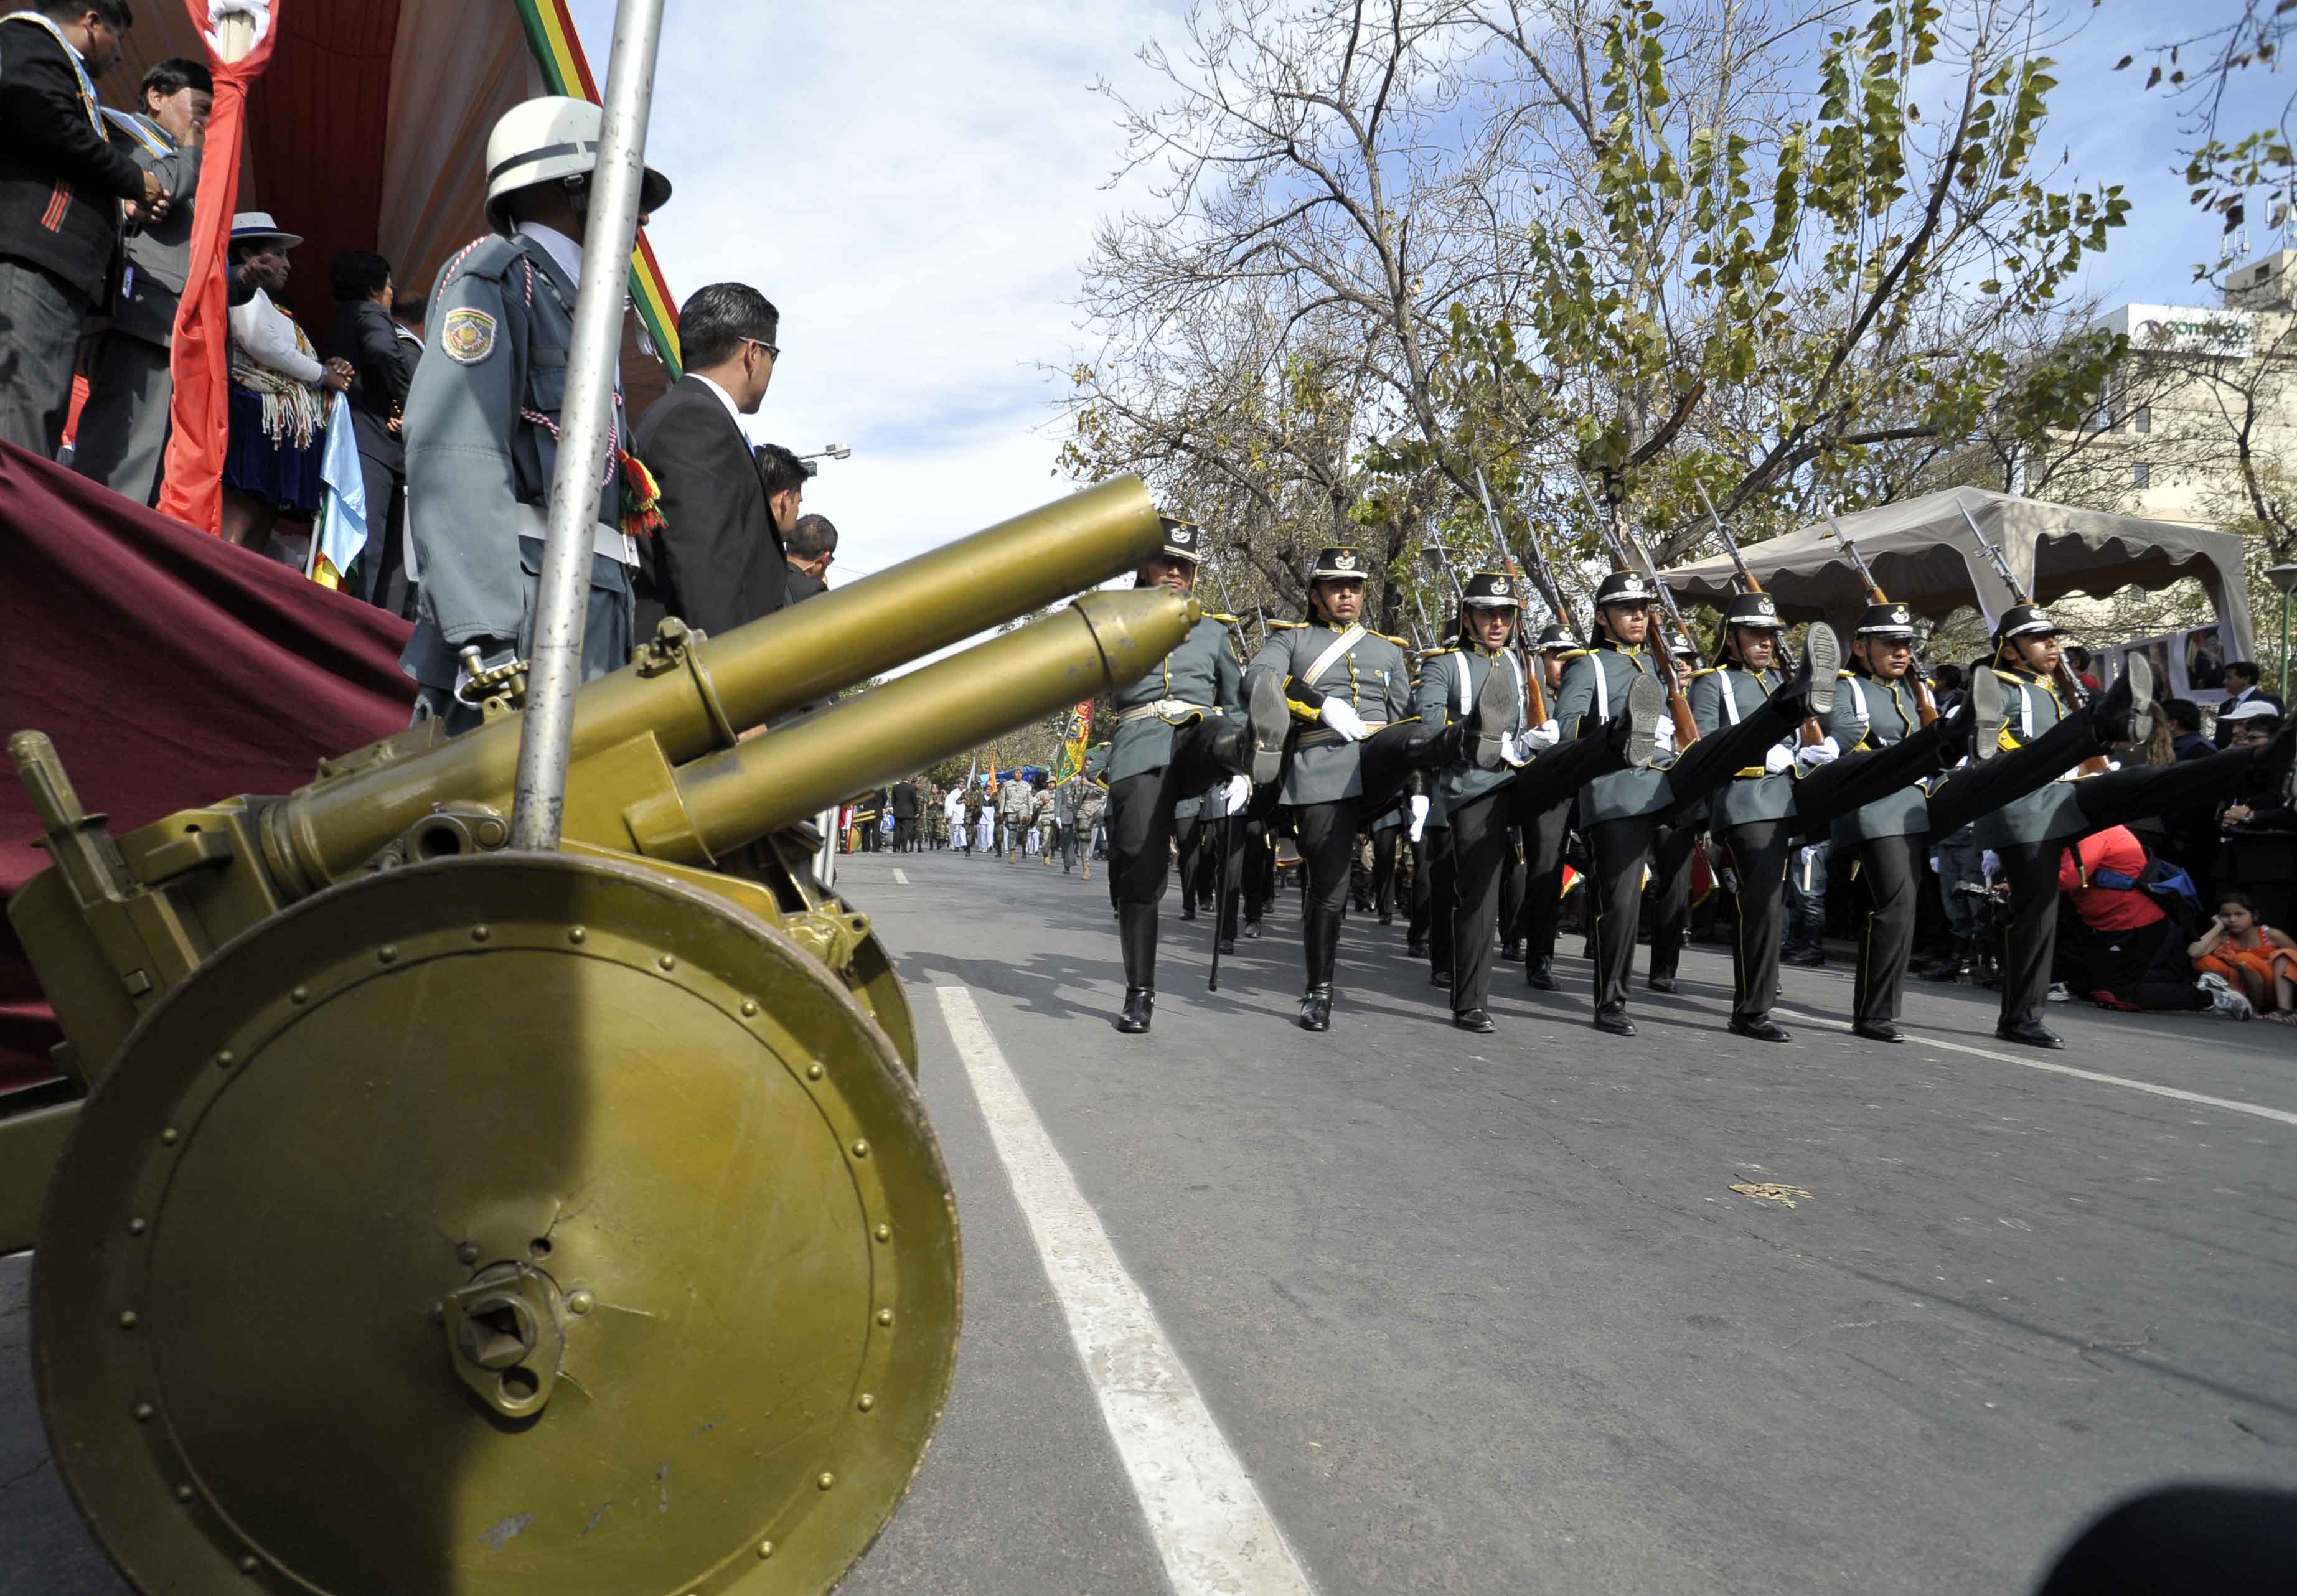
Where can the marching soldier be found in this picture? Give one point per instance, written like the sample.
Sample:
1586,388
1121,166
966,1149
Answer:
483,415
1179,728
1545,832
1345,684
2031,832
1622,812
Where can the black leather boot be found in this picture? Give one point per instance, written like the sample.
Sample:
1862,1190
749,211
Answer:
1139,1003
1316,1008
1540,973
1634,729
1820,673
2124,711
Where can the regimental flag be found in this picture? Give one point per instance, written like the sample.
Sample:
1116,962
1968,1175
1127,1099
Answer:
1073,740
558,52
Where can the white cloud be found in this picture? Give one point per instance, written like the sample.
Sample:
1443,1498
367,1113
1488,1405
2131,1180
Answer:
914,187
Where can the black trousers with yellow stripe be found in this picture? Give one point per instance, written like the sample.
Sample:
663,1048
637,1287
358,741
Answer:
1890,875
1759,852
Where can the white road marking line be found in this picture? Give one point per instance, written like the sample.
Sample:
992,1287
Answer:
1913,1038
1212,1531
901,876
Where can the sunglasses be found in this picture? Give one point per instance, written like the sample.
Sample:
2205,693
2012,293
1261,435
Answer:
773,350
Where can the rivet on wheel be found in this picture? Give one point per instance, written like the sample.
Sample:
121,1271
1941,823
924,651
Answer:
576,934
860,1149
884,1316
248,1565
168,1136
581,1303
144,1411
135,1226
885,1232
226,1060
127,1319
749,1007
302,994
184,1493
814,1072
388,953
865,1401
667,962
479,933
765,1549
825,1481
467,1254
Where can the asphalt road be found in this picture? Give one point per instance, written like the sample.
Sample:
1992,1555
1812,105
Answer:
1486,1314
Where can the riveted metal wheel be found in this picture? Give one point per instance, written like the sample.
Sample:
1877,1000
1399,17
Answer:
510,1224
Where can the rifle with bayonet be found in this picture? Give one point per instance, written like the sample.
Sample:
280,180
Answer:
1534,682
1925,704
1549,589
1813,733
2069,686
1670,669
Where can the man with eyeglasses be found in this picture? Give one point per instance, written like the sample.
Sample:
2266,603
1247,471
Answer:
719,560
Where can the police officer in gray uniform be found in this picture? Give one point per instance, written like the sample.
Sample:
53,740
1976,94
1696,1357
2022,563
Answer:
482,417
1344,684
1621,814
1179,728
2029,833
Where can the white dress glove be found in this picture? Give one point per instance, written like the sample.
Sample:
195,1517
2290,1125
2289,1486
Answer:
1663,735
1822,753
1545,735
1239,794
1990,863
1776,759
1341,716
1419,817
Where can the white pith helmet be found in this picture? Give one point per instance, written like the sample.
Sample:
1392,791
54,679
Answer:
547,141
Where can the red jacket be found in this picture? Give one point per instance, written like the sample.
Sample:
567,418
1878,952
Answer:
2107,907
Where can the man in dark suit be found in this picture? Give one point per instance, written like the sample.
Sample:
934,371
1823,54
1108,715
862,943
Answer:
123,431
905,816
718,561
384,363
62,186
2241,680
811,545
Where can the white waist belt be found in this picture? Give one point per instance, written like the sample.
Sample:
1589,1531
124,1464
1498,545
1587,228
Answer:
1165,708
611,542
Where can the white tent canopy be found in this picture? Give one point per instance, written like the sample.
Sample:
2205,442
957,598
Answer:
1923,555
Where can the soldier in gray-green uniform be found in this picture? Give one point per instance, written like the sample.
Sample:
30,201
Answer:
1792,791
1346,685
2031,832
1621,814
1179,728
482,415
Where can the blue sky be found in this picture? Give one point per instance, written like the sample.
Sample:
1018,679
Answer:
915,187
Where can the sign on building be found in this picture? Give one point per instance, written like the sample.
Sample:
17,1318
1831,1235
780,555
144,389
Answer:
2182,330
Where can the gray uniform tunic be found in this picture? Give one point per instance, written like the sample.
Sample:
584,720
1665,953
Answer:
1201,677
1595,683
1871,713
1723,696
2051,812
1371,674
479,466
1449,680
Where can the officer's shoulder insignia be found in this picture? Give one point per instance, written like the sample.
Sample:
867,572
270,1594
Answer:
1392,637
1846,675
1224,620
1705,670
1275,625
468,335
491,256
1578,654
1434,654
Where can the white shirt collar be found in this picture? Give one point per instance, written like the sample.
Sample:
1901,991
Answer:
724,398
560,249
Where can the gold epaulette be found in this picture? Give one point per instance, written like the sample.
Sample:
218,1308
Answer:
1404,643
1224,620
1704,671
1846,675
1431,654
1275,625
1578,654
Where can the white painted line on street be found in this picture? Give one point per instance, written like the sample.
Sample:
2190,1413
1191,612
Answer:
901,876
1214,1532
2282,1115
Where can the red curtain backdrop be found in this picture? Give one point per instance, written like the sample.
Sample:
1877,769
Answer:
171,669
200,410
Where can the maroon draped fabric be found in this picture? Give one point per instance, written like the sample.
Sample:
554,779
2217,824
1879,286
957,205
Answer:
170,668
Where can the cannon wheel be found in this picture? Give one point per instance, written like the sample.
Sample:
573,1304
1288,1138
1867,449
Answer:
878,985
505,1225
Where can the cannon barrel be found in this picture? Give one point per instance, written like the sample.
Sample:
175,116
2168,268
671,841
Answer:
792,657
762,784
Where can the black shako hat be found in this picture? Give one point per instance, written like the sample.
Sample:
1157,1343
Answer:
1886,621
1554,636
1181,540
1338,563
1623,586
2023,619
1490,590
1755,610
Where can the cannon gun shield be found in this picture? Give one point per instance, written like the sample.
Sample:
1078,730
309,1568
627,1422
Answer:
502,1224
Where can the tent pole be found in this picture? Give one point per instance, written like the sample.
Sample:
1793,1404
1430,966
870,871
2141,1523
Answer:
555,672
